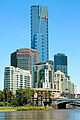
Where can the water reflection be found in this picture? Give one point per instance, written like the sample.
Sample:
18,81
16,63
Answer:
41,115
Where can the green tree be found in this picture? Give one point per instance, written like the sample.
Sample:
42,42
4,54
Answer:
27,92
1,96
8,96
19,96
5,95
23,96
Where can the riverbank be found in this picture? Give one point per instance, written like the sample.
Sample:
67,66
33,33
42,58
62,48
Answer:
25,108
8,109
34,108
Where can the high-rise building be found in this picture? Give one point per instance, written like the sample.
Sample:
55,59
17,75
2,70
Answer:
24,58
39,31
15,78
60,63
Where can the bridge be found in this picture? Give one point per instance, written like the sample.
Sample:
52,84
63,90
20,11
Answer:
61,103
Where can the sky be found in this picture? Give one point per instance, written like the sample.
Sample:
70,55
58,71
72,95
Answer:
64,32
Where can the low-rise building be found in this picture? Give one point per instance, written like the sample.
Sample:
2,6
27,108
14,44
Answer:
64,85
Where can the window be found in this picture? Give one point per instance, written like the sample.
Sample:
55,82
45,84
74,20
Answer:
42,45
43,56
43,49
54,86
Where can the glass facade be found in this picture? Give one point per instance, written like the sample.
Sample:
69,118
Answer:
43,75
24,58
60,63
39,31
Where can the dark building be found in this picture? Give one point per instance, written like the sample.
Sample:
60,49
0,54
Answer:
24,58
14,59
39,31
60,63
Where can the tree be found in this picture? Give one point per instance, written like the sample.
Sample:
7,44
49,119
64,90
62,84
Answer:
23,96
28,95
8,96
5,95
19,96
1,96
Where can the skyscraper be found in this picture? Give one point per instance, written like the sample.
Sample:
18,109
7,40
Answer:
39,31
24,58
60,63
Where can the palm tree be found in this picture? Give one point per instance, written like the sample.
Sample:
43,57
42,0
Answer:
10,96
41,95
33,93
19,96
5,96
1,96
28,95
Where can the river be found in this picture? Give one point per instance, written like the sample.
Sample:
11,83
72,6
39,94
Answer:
67,114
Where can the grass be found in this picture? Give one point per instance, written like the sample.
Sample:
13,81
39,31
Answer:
24,108
33,108
7,108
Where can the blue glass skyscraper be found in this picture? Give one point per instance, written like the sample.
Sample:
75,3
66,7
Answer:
39,31
60,63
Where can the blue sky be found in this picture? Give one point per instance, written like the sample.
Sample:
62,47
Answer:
64,31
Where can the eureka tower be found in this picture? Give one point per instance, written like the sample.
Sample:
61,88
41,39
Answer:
39,31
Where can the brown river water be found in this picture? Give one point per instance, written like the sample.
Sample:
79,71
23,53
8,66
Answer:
67,114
